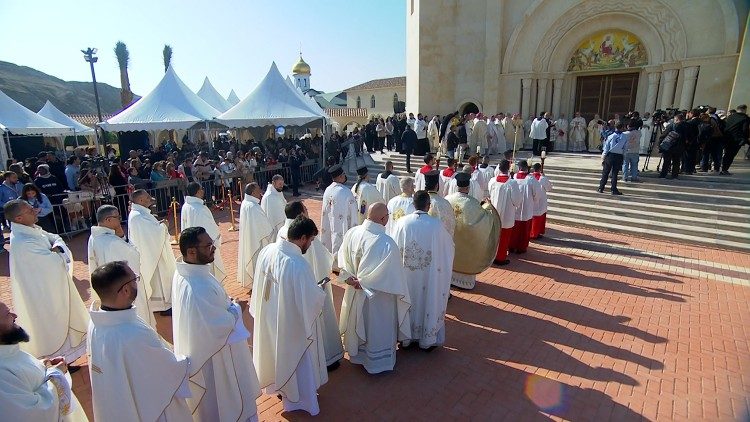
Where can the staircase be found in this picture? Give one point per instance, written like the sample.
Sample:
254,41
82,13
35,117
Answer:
701,210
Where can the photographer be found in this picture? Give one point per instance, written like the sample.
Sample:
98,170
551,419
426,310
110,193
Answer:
692,143
715,144
737,133
672,146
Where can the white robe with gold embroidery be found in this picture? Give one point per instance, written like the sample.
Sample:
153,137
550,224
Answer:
365,195
398,207
273,203
157,259
256,231
388,187
338,215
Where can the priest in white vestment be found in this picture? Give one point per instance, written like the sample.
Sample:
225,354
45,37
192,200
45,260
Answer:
273,202
646,130
427,257
321,263
151,237
491,136
287,305
577,135
387,183
433,133
256,231
475,188
364,193
439,207
32,390
107,245
595,134
483,174
41,281
505,197
208,328
375,309
503,127
478,138
134,374
561,125
401,205
339,212
195,213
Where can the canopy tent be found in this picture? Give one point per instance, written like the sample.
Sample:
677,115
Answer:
272,103
19,120
312,104
171,105
210,95
53,113
233,99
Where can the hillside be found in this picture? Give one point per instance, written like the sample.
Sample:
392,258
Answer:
33,88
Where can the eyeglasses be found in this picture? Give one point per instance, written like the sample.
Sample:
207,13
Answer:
207,245
136,279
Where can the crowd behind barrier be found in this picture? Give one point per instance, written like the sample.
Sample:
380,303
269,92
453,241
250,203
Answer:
74,212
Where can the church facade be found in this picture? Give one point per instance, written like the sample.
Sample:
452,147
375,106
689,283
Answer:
598,56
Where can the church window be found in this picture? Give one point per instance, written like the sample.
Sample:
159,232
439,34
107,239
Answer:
372,101
359,102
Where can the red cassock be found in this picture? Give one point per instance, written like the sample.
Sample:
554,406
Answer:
505,234
521,229
538,222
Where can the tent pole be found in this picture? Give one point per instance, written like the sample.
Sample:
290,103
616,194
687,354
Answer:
210,144
10,148
4,151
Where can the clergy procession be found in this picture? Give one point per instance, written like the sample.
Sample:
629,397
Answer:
396,247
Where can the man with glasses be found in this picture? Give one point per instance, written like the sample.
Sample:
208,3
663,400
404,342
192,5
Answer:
208,327
195,213
151,237
107,245
48,304
134,374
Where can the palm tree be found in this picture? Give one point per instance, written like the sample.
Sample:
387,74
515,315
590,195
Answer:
123,57
167,53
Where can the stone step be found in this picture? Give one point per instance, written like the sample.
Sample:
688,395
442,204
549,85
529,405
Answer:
656,232
589,193
684,182
660,213
662,192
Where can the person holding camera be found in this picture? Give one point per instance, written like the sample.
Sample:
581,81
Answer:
672,145
612,158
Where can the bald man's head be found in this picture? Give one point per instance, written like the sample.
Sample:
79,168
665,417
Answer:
378,213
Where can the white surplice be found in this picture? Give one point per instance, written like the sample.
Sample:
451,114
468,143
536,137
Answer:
475,188
205,324
388,186
31,393
505,197
195,213
157,259
427,257
273,203
256,231
561,144
338,215
443,211
577,135
105,247
530,191
321,263
420,182
371,325
540,203
134,374
483,175
45,298
365,195
398,207
287,306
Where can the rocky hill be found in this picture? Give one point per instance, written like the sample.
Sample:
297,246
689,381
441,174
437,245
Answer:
33,88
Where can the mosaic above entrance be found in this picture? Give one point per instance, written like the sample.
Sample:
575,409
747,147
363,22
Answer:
609,50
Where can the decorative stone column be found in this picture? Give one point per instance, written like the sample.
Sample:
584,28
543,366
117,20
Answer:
653,91
690,77
556,94
526,98
541,95
667,92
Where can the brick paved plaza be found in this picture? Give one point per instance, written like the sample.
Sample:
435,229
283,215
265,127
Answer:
585,326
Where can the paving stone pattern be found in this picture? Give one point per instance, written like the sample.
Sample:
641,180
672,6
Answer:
586,326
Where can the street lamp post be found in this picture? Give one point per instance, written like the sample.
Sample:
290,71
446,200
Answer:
89,56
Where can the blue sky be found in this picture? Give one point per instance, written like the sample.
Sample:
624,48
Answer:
346,42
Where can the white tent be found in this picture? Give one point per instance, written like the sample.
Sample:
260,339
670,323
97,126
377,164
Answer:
273,102
19,120
233,99
210,95
53,113
171,105
311,103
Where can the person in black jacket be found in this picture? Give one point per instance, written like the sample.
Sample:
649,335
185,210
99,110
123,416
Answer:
408,140
673,156
295,166
692,145
737,128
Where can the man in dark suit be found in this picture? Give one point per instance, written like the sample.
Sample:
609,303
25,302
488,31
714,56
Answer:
737,132
671,158
408,140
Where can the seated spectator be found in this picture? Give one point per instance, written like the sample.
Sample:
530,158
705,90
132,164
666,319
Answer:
135,180
173,174
157,172
41,205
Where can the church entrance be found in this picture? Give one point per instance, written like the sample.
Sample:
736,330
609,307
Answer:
606,95
468,108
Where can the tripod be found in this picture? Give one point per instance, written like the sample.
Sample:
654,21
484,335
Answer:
655,132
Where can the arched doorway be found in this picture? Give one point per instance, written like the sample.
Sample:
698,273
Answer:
467,108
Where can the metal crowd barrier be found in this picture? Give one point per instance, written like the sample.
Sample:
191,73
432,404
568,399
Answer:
74,212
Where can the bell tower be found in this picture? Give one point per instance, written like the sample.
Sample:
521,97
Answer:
301,74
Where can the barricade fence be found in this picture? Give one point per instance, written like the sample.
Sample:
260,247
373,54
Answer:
75,212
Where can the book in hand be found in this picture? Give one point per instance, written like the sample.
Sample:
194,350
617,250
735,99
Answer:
322,283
